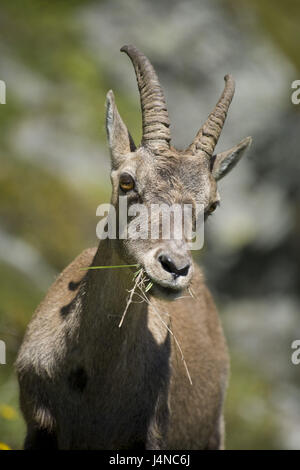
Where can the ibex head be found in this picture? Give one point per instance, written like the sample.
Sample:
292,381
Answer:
155,172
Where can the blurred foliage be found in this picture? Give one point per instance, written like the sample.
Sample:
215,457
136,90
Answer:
12,427
278,19
248,411
25,186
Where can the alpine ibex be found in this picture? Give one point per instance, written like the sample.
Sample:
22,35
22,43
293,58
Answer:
84,382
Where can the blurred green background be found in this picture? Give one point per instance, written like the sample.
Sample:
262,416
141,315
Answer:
58,60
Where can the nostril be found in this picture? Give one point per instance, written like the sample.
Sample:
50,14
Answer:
167,263
184,271
169,266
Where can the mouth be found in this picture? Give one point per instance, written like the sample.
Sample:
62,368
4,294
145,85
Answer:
166,292
161,289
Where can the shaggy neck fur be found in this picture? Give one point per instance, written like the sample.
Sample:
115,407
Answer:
104,296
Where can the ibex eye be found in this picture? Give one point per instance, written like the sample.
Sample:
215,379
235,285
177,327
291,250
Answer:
126,182
213,207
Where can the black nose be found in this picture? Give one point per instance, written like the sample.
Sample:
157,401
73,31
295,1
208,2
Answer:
169,265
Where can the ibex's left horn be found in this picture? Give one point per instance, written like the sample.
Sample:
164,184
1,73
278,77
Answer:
208,136
156,132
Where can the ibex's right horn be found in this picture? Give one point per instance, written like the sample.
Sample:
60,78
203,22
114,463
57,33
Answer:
156,132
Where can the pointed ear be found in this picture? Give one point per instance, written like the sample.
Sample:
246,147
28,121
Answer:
119,140
223,162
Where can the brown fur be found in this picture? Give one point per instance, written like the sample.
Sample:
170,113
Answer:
137,392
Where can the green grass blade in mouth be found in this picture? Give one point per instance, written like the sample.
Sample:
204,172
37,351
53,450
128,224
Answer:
111,267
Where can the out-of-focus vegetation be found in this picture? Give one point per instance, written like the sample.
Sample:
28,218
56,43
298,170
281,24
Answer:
278,19
58,60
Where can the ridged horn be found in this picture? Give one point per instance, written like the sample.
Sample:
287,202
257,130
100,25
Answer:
208,136
156,132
